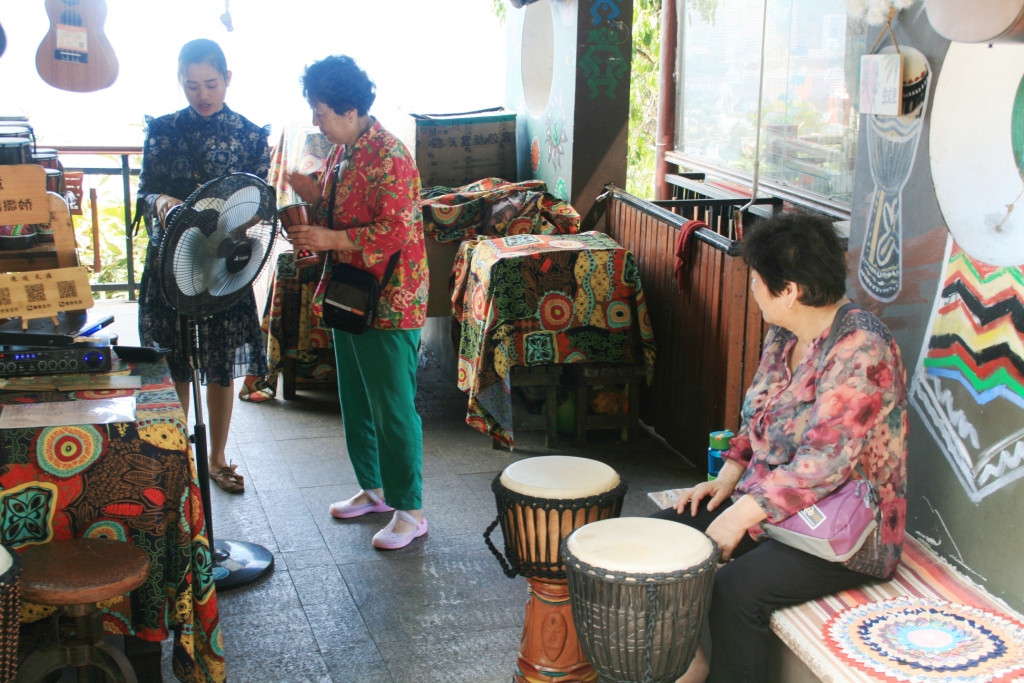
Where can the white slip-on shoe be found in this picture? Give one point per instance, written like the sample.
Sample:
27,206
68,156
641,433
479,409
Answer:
388,539
346,509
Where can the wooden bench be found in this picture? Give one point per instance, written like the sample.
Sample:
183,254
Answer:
804,654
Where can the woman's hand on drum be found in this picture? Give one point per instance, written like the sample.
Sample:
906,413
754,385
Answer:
304,186
719,489
163,204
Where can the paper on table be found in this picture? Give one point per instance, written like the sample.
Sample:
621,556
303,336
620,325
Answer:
103,411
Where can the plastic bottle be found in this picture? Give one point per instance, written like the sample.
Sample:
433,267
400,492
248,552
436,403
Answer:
718,444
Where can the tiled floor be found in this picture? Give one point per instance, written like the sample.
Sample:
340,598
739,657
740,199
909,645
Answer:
336,609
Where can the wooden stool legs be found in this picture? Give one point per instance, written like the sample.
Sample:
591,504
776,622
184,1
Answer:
550,651
83,650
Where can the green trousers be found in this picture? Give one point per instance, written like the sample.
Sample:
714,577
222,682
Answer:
383,431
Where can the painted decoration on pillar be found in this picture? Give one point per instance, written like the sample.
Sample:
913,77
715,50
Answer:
969,381
604,10
555,138
892,146
535,155
603,62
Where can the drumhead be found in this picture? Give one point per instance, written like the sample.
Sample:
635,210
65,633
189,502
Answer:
5,560
639,545
559,477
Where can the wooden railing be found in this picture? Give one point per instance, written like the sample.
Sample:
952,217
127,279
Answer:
126,171
708,334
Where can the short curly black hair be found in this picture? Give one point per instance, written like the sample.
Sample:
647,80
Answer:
338,82
798,248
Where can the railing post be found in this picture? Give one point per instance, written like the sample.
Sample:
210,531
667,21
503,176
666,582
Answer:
126,180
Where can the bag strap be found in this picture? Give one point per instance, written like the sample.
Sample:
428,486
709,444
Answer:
830,341
330,226
834,332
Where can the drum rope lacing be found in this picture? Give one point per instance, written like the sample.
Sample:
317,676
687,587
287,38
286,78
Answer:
611,500
10,618
654,581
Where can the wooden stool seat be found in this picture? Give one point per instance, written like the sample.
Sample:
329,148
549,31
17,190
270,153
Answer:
81,571
75,575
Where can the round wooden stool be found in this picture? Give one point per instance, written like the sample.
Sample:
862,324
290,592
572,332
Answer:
76,575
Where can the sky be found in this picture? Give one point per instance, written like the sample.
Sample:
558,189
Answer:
427,56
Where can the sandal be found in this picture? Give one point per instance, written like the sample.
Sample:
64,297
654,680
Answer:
228,479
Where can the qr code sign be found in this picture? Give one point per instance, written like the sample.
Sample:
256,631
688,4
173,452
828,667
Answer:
67,290
35,293
5,296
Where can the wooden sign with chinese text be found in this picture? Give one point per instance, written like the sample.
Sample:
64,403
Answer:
44,293
23,195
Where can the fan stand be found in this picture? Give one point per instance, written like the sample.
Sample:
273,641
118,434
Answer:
235,563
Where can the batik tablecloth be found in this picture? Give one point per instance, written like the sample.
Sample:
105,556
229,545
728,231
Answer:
290,330
492,207
540,299
132,481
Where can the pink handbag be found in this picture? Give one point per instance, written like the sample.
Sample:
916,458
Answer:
835,527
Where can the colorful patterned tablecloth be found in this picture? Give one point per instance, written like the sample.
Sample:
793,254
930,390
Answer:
540,299
492,207
132,481
290,330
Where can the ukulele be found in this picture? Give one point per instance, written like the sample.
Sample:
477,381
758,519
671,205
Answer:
75,55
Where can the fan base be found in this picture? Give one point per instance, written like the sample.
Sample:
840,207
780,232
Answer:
244,563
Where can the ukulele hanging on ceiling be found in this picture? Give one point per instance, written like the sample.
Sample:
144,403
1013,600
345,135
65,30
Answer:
75,55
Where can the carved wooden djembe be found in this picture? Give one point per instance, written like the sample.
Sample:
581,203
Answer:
541,501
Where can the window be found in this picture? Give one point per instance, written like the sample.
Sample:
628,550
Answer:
809,123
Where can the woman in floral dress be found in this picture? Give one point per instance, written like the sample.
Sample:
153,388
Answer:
807,422
183,150
374,190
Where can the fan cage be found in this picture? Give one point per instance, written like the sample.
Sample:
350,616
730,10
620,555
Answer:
217,244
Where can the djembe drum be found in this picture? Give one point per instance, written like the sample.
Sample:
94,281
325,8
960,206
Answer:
10,612
541,501
640,589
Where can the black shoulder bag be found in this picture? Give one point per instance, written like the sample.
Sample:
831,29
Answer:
352,293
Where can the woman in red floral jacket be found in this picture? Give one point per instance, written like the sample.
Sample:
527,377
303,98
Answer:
807,422
376,188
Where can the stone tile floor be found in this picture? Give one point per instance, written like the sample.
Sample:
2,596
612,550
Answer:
335,608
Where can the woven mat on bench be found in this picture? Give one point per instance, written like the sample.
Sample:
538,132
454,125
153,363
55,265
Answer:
927,624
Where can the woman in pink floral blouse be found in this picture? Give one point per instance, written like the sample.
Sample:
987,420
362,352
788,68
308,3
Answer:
806,423
374,190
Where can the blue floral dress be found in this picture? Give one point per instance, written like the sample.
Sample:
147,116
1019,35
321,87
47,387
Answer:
182,151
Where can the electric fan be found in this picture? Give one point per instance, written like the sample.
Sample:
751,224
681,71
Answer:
216,243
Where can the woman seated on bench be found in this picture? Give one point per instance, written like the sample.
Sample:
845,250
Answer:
805,426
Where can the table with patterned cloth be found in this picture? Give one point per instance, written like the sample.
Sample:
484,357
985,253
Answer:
541,299
131,481
291,332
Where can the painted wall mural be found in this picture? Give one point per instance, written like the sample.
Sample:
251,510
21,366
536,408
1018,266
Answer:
968,385
892,147
572,136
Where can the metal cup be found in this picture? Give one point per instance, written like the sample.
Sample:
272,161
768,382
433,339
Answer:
295,214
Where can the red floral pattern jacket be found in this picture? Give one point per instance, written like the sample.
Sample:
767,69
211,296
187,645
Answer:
377,200
801,434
